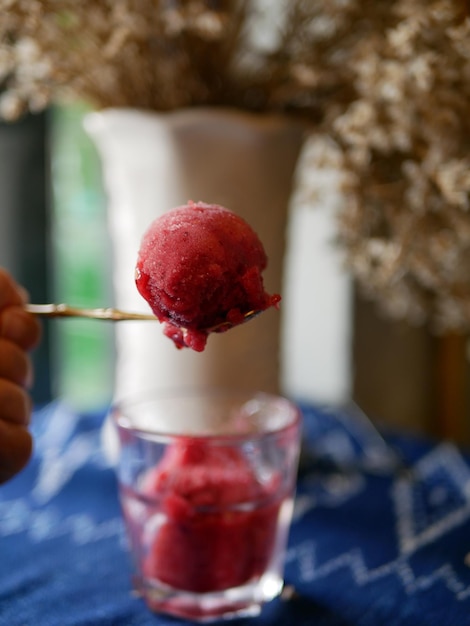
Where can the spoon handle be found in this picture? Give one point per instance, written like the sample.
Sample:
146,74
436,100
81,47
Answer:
64,310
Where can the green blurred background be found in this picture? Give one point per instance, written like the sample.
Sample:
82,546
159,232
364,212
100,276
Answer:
82,350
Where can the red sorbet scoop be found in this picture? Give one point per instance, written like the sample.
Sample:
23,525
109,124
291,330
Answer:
199,267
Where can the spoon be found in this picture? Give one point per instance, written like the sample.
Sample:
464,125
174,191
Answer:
114,315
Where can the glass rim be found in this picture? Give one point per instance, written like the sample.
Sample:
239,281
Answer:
125,422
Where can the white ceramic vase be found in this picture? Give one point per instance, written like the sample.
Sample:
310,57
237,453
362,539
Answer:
152,162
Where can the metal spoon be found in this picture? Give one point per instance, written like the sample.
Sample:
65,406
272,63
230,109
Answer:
114,315
64,310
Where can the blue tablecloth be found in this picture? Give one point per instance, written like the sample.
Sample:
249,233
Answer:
371,544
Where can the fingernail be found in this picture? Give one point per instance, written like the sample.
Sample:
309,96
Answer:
23,293
25,408
29,379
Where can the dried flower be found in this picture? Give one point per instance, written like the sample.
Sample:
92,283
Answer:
404,140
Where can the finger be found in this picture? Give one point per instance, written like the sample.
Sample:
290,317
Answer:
15,403
19,326
10,291
16,446
15,364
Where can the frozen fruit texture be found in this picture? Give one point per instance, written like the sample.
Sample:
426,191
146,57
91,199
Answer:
200,266
220,521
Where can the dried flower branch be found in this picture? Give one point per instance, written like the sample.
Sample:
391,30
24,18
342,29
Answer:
386,81
136,53
404,142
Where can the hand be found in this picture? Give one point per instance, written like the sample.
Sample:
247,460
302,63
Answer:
19,332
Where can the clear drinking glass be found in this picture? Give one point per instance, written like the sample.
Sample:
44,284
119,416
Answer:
207,483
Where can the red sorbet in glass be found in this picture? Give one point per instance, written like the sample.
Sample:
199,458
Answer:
218,520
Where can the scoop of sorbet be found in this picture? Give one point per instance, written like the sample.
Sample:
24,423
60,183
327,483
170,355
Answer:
200,269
